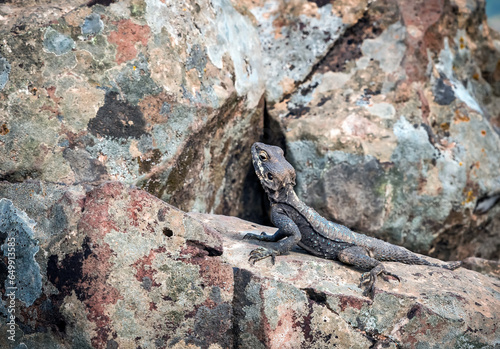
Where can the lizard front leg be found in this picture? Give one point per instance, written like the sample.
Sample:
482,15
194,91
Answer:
359,257
279,243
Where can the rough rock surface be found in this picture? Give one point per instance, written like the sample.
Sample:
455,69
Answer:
114,268
395,130
307,302
164,95
119,268
485,266
388,109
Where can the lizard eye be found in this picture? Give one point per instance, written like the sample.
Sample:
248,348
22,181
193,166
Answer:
263,156
270,176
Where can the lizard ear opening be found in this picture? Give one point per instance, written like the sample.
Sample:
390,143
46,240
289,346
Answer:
291,177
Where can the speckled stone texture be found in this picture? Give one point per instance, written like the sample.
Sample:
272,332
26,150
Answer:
307,302
388,109
114,267
394,129
167,96
120,268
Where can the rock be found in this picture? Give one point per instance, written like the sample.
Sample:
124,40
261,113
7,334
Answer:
167,97
388,111
394,131
20,248
119,268
296,35
122,269
484,266
306,302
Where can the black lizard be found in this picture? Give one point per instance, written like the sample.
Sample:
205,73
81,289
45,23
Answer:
299,224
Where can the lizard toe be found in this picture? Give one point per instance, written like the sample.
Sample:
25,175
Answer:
261,253
369,291
370,278
386,273
365,277
370,288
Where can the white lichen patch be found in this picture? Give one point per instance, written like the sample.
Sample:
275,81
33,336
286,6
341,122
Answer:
245,54
445,67
300,49
331,81
388,48
381,110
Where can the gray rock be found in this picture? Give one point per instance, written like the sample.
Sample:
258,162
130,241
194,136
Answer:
128,270
19,248
168,97
56,42
394,132
92,24
4,72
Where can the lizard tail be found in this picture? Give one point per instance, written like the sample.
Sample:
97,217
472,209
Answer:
412,258
448,266
451,265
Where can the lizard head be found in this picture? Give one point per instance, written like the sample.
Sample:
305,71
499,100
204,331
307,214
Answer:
275,173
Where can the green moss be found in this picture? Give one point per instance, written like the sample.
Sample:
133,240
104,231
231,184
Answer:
466,342
174,317
182,280
381,186
138,8
153,185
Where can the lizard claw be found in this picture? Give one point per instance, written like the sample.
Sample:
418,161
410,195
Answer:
371,277
261,253
386,273
252,236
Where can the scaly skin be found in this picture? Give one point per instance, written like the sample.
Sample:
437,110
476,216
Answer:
299,224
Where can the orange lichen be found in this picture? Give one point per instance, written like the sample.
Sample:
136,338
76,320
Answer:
462,43
459,117
483,132
470,197
475,76
4,129
445,126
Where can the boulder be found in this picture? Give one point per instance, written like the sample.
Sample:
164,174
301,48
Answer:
306,302
165,96
296,35
387,110
394,130
115,267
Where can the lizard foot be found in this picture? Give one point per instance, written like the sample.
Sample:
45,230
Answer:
371,277
261,253
252,236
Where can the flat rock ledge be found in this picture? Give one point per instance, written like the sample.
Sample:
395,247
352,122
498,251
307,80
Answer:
115,267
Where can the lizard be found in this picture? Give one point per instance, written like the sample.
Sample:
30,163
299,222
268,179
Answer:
299,224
